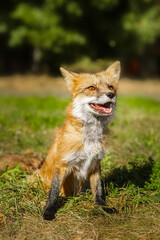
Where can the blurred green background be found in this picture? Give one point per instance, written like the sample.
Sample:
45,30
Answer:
40,35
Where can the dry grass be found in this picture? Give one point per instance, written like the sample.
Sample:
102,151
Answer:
141,223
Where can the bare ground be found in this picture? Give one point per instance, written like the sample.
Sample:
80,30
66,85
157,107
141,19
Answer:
29,84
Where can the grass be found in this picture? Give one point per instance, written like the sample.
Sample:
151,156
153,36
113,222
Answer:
28,121
131,171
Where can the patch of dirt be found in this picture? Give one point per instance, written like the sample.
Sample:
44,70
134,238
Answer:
26,162
42,85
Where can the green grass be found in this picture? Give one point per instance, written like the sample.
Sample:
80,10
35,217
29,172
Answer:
26,122
17,196
131,171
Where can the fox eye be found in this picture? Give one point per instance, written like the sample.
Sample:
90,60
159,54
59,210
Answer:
111,87
91,88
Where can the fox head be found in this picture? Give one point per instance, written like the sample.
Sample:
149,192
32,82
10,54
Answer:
93,94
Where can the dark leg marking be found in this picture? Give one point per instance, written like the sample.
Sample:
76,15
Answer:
100,198
50,208
98,191
100,195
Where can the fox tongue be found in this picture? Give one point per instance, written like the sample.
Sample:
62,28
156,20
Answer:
101,108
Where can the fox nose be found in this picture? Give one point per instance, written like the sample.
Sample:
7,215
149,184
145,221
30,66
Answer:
110,94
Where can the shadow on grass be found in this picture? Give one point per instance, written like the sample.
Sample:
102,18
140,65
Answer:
135,174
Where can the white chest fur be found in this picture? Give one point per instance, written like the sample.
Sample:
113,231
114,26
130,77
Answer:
86,160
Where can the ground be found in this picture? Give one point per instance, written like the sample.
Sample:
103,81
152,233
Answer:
131,168
42,85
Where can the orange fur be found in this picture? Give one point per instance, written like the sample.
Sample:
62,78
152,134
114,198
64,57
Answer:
69,137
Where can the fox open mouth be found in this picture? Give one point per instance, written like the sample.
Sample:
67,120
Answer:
103,108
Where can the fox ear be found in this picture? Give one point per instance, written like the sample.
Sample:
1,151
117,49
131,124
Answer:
114,71
69,77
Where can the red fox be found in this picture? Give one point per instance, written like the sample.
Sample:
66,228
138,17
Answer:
80,144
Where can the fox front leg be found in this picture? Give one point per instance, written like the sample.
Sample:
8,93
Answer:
98,191
50,208
97,188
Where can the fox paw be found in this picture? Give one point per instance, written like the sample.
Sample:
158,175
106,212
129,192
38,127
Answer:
105,207
48,214
110,210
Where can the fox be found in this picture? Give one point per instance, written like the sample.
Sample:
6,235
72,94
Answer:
80,144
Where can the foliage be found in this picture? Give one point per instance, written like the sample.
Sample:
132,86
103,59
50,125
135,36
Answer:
50,33
41,27
144,27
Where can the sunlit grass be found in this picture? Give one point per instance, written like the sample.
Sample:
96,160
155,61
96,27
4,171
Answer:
130,170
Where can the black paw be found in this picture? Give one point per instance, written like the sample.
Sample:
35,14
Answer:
109,210
100,202
49,213
105,207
